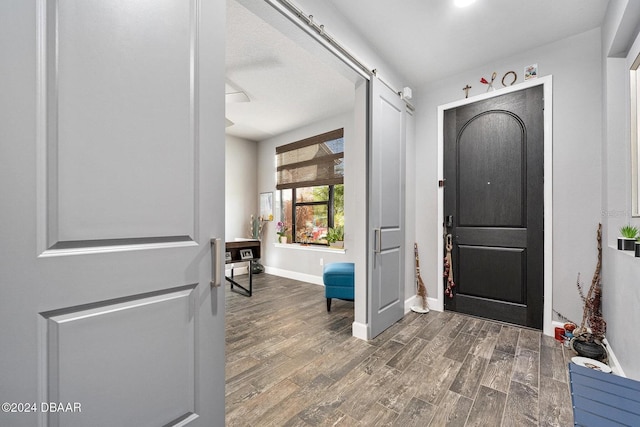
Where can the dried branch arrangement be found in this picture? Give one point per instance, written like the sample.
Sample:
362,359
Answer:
421,288
592,313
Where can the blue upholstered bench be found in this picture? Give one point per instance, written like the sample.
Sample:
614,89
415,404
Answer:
601,399
338,278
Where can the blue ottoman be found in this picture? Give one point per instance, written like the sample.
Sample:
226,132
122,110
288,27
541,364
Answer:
338,278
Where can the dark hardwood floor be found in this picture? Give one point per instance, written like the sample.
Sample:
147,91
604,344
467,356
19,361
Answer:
290,363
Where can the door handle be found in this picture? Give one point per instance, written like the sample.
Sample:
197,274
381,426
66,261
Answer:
216,262
449,242
378,243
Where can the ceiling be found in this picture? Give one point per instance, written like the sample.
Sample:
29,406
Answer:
290,83
431,39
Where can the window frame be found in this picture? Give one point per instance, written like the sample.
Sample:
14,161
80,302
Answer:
284,164
328,204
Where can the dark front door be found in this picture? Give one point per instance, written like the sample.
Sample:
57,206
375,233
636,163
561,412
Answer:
494,200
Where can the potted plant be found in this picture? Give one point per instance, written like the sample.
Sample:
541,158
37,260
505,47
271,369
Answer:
335,237
281,229
637,247
627,239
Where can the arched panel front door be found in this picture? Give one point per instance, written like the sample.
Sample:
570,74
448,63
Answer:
494,200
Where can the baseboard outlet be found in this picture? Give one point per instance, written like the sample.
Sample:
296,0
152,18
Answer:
613,360
316,280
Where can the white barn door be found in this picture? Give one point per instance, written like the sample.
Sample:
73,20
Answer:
111,186
386,207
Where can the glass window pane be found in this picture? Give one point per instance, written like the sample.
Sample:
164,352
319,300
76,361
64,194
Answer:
311,224
335,145
286,209
312,194
338,205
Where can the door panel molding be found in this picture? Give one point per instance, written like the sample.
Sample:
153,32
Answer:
513,237
91,352
547,83
481,261
510,188
94,92
477,306
116,245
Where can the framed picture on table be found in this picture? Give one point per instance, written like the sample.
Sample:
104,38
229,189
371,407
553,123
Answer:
246,254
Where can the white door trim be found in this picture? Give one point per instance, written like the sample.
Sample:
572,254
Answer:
547,82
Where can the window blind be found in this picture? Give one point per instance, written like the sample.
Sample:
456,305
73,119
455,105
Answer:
310,162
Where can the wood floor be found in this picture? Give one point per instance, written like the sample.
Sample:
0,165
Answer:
290,363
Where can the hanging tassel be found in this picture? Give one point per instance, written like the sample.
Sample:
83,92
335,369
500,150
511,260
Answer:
448,265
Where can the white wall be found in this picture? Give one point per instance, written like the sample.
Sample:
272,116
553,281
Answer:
241,186
575,64
410,215
621,271
324,13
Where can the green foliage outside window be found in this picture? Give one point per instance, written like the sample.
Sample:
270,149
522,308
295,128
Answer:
313,214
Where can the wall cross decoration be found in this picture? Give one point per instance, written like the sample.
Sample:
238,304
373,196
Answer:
466,91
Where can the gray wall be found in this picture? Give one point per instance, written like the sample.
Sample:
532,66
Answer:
621,271
289,260
241,185
575,64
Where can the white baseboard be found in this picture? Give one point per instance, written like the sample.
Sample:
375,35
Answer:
613,360
359,330
237,271
431,302
413,300
316,280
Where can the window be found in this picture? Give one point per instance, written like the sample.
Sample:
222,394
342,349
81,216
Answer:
310,179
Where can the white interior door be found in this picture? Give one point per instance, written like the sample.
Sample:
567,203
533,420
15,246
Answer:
386,207
111,181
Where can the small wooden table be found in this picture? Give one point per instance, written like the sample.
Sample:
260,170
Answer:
237,249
